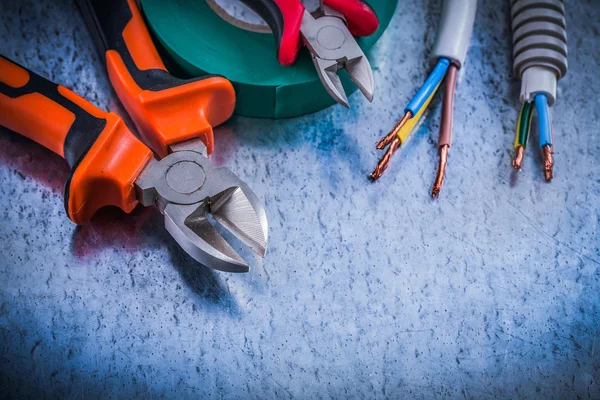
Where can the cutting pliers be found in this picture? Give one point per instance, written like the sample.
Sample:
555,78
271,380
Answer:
110,166
328,36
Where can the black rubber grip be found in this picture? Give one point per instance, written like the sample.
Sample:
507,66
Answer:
83,132
269,11
85,128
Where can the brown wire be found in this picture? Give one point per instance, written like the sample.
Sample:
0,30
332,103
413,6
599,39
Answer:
445,138
448,107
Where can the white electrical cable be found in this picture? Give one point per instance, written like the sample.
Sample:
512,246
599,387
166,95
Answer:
454,31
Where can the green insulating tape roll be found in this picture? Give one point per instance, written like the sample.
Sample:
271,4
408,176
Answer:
195,41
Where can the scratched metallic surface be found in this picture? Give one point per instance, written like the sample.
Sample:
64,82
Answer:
367,290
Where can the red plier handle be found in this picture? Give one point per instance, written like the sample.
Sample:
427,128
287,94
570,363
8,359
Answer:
284,17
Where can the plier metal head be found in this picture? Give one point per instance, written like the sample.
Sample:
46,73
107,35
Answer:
190,191
332,48
328,35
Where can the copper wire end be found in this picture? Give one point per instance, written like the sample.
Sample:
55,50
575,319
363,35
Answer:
547,155
518,159
439,178
394,132
385,160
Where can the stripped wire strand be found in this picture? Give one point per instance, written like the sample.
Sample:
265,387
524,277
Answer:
412,113
402,136
445,139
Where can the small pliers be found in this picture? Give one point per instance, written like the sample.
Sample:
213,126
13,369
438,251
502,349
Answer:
328,37
111,166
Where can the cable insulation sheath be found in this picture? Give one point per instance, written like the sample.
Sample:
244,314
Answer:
454,31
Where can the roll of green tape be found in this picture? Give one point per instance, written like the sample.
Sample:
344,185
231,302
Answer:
198,41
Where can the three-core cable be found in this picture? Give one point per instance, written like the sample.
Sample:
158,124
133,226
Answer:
448,55
412,114
539,60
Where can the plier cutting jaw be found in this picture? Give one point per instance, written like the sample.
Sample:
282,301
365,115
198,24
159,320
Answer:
328,36
186,187
111,166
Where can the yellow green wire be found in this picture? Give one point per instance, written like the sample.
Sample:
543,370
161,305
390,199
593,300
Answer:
516,143
523,125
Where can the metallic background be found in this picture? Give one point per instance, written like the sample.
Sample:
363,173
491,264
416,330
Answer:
367,290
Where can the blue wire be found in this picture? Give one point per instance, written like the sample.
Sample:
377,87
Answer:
543,112
428,87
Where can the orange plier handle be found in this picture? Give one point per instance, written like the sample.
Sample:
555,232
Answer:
104,156
166,110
